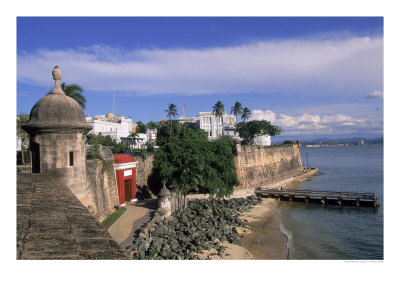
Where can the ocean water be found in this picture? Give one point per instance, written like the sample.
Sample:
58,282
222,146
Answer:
331,232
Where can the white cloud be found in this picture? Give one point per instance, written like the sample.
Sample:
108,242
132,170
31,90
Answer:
308,124
334,119
375,94
309,66
263,115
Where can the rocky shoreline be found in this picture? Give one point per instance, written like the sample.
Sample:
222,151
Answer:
211,228
204,230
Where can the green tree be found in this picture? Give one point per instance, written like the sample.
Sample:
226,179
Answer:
75,92
180,162
237,109
105,140
167,129
172,112
141,127
152,125
22,119
187,162
249,130
246,113
222,177
218,111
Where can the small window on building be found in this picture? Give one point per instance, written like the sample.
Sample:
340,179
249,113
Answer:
71,158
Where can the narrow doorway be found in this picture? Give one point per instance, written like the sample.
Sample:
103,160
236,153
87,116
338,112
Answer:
35,149
127,188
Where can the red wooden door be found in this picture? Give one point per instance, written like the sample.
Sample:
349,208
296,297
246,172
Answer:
127,189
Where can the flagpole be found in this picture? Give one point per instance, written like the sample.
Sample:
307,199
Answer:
183,111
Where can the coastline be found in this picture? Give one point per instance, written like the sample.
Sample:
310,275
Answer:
263,239
250,228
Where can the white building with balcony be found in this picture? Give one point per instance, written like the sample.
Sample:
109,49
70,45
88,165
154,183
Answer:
213,125
117,127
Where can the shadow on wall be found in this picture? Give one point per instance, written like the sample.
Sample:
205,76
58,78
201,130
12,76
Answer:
143,192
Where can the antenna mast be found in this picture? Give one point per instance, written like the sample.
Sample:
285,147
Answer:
114,104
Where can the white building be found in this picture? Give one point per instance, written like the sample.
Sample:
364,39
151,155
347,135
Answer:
118,128
262,140
213,125
140,141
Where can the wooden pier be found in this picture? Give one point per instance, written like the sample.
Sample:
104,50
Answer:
323,197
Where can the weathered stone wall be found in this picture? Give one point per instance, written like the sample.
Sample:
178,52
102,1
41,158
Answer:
257,165
102,187
53,224
53,152
143,171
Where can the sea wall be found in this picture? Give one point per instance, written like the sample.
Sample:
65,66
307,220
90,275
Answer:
102,187
256,165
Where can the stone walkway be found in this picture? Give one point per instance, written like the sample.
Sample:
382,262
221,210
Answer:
126,228
53,224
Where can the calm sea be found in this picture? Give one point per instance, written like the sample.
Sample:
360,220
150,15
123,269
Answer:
348,233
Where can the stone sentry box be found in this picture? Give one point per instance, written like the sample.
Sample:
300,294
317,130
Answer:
57,129
125,172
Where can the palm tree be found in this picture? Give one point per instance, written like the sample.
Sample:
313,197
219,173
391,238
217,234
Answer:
237,109
75,92
172,111
151,125
133,135
218,109
246,113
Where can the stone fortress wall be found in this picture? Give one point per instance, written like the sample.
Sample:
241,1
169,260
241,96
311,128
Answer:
256,165
102,184
101,187
143,171
53,224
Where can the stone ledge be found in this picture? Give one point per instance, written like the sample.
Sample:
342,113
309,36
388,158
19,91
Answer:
52,224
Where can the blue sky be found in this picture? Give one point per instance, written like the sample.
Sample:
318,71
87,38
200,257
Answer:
313,76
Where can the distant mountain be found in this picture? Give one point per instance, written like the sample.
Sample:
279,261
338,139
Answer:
325,140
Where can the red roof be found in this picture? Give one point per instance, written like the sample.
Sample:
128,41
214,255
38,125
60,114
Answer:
123,158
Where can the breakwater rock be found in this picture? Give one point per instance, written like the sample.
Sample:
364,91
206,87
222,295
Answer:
204,225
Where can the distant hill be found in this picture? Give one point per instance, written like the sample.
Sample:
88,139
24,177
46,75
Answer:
324,140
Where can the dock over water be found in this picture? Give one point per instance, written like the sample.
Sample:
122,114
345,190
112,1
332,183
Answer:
323,197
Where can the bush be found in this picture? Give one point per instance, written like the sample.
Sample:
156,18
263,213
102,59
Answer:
287,142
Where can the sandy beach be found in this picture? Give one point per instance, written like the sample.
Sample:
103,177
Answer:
263,238
257,217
